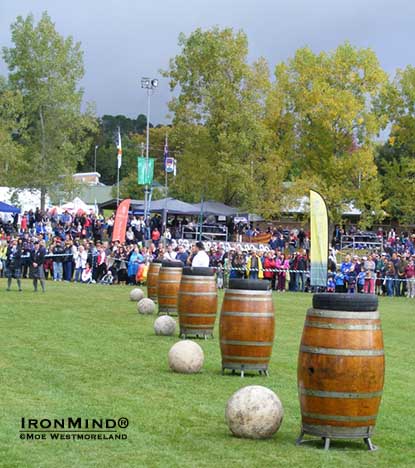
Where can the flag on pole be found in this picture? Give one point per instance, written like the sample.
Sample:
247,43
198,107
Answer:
319,240
166,154
119,149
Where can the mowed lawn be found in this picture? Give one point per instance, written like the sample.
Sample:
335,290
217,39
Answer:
83,351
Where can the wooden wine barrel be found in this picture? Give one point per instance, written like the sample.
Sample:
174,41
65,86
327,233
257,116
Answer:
153,280
198,302
170,276
247,326
341,367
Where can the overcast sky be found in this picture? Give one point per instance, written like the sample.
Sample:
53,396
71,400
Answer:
123,40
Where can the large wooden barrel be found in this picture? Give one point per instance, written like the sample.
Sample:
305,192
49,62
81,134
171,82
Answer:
198,302
168,287
341,367
247,326
153,280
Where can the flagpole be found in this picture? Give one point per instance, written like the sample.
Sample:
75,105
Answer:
165,169
119,156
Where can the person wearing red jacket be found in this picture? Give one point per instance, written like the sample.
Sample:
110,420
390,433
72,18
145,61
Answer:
269,264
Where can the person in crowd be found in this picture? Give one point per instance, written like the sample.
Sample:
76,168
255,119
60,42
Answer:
410,277
237,265
269,267
134,259
254,269
87,274
369,267
13,264
201,258
170,253
390,278
37,260
121,265
345,270
282,265
58,254
182,255
81,258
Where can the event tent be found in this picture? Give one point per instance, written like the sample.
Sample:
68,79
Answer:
215,208
6,208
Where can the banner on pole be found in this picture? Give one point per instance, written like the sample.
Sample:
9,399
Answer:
120,223
145,171
169,164
319,240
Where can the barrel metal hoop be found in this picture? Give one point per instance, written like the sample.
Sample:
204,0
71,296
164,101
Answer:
247,343
336,326
338,432
341,352
351,395
167,297
334,417
185,293
198,279
342,314
250,299
248,314
185,314
170,281
245,358
248,292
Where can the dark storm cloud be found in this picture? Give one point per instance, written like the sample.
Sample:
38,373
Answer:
124,40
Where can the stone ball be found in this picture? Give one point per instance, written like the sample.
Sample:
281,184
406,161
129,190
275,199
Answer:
146,306
254,412
165,325
136,294
186,357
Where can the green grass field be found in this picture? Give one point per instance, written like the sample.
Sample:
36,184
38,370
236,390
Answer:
83,351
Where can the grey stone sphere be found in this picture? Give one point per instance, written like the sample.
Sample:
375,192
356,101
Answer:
254,412
146,306
136,294
165,325
186,357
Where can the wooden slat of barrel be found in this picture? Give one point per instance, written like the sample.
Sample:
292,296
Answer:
340,373
197,305
168,290
152,280
246,329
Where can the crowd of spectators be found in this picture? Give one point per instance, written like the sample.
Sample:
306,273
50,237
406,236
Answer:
78,248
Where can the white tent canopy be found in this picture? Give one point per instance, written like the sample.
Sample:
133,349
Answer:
77,204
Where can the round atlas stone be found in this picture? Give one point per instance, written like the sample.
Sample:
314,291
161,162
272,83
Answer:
136,294
186,357
254,412
165,325
146,306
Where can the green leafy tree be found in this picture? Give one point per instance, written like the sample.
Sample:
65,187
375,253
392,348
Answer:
46,68
12,133
396,158
323,112
218,117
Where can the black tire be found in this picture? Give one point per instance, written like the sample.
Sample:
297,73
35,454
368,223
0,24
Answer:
348,302
198,271
171,264
247,284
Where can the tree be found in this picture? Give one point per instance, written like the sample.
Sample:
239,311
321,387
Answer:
396,158
322,110
12,126
46,69
218,117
